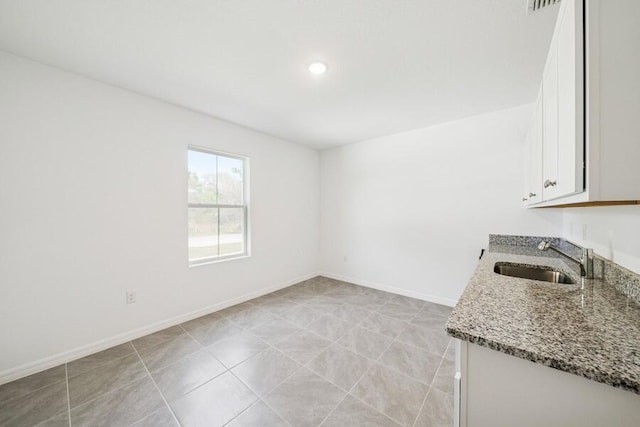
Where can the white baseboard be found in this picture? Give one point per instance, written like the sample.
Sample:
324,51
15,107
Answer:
30,368
394,290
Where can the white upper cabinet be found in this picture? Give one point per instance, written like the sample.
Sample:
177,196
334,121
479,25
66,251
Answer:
562,88
533,155
527,168
589,112
550,164
570,175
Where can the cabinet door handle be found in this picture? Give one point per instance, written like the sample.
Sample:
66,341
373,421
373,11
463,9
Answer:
532,194
524,199
549,183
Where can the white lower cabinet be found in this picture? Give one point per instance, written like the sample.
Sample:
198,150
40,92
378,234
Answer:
496,390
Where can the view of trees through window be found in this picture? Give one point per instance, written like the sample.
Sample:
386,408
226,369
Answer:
217,208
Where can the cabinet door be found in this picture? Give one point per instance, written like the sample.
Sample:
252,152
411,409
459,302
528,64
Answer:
563,101
570,176
534,161
527,166
550,123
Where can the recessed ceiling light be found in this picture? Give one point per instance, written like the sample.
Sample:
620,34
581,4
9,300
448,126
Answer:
317,68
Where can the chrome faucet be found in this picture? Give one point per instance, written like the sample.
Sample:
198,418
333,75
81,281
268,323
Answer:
585,262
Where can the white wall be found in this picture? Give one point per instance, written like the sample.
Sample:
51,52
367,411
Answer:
612,231
93,203
411,211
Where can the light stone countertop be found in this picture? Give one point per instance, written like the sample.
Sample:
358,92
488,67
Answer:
589,329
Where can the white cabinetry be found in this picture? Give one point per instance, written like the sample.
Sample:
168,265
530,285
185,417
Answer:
570,151
533,153
590,108
550,124
498,390
562,105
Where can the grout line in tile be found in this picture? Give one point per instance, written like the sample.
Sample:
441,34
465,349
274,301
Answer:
31,391
377,362
382,354
260,398
408,323
235,323
161,342
284,380
417,346
157,388
348,392
191,336
110,391
66,375
276,412
444,355
421,407
202,347
281,382
407,376
102,365
243,411
282,353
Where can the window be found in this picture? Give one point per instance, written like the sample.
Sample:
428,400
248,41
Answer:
217,206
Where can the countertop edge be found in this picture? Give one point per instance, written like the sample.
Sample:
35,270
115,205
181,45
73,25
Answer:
550,362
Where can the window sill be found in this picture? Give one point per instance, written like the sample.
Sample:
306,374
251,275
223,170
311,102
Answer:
217,260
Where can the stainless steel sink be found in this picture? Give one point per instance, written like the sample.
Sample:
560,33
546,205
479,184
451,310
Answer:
545,274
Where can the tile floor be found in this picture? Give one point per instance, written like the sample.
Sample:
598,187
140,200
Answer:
322,352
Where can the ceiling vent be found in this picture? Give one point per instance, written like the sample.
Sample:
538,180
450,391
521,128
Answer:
535,5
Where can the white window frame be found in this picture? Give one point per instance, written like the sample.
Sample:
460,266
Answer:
245,197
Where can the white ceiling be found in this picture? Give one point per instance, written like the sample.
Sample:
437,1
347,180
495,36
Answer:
394,65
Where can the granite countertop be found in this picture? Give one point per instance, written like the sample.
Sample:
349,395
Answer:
589,329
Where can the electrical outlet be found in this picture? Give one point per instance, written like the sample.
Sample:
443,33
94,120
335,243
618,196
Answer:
131,297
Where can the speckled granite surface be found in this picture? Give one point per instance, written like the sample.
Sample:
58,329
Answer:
624,280
589,329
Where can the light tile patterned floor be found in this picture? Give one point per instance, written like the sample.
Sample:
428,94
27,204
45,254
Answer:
322,352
